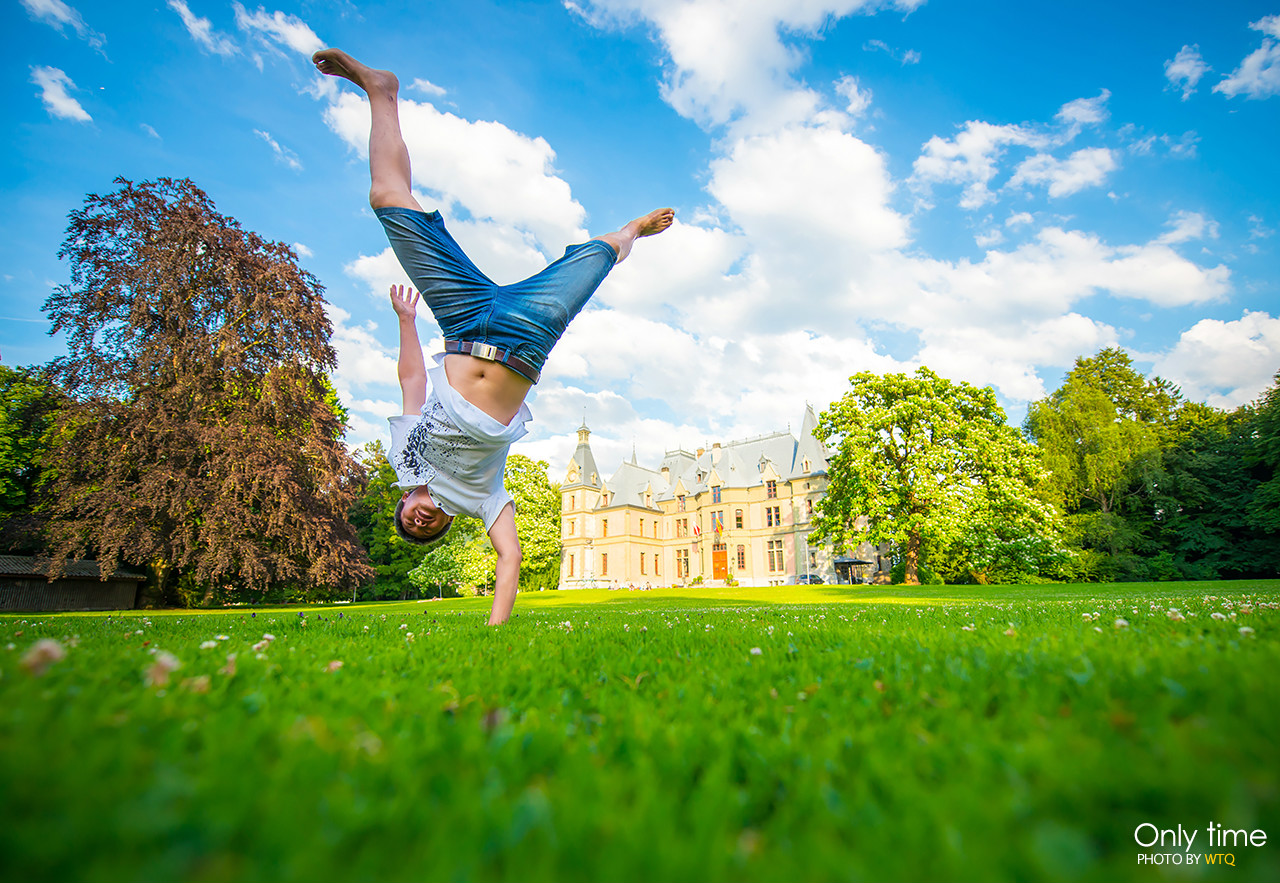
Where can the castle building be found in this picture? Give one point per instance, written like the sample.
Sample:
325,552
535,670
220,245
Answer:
740,511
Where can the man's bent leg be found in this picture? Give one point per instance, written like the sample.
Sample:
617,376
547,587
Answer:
389,171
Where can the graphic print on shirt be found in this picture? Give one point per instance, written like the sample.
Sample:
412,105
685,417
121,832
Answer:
432,444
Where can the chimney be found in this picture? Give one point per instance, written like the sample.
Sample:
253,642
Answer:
701,451
666,474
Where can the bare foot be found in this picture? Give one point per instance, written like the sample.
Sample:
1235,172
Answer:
336,63
653,223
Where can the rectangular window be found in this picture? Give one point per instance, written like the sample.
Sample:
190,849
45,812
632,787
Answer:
656,570
737,518
773,516
682,562
655,528
570,565
604,563
808,508
742,557
573,527
680,503
771,489
682,527
604,527
642,565
640,521
715,494
717,521
776,564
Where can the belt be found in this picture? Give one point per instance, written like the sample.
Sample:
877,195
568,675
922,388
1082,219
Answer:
491,353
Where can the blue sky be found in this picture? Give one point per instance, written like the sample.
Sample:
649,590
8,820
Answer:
988,188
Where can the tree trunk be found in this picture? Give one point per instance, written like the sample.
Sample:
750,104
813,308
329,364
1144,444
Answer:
911,558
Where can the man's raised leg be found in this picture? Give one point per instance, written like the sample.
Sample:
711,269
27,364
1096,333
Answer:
653,223
391,184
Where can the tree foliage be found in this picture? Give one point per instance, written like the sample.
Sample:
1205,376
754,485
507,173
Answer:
932,467
27,403
1154,487
537,521
198,438
1264,458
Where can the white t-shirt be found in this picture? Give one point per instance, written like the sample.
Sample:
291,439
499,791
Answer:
457,450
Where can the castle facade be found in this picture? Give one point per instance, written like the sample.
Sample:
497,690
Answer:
736,512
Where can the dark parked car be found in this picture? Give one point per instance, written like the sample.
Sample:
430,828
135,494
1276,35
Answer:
812,579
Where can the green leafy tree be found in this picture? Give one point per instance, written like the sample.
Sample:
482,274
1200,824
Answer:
1264,457
198,437
537,521
1094,454
27,403
932,467
1153,401
1102,436
460,564
1203,499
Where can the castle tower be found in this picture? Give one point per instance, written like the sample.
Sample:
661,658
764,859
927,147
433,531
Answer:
579,497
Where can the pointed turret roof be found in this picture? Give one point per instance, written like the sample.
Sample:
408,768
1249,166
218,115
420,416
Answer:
582,468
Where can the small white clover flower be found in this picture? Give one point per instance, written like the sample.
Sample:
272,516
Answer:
208,645
1218,616
756,651
41,655
1246,631
1121,623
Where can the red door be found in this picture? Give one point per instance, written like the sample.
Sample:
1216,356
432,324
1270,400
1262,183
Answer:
720,563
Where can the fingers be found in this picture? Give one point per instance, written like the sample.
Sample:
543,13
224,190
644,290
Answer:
398,295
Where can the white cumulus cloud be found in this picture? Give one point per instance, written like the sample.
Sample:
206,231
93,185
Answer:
285,30
1084,168
201,30
1225,364
59,15
479,169
54,86
1185,70
730,61
1258,75
970,158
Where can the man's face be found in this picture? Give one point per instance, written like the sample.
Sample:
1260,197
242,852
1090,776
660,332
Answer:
421,517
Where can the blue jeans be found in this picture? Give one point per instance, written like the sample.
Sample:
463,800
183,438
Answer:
525,319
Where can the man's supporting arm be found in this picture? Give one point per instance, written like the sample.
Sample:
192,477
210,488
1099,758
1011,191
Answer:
507,571
411,369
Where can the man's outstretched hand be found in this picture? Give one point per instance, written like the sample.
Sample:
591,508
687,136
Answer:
404,301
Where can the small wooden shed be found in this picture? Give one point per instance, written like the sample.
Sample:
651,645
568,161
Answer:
25,585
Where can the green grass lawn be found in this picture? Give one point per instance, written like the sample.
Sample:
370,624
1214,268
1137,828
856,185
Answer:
803,733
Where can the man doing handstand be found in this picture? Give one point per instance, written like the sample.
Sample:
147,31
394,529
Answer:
449,448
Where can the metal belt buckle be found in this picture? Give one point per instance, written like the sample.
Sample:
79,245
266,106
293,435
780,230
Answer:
485,351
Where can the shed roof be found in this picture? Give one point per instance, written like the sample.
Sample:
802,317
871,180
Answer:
22,565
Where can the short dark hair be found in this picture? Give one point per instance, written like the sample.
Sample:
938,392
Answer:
410,538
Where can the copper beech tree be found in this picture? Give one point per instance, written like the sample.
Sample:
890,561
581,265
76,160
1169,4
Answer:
200,438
